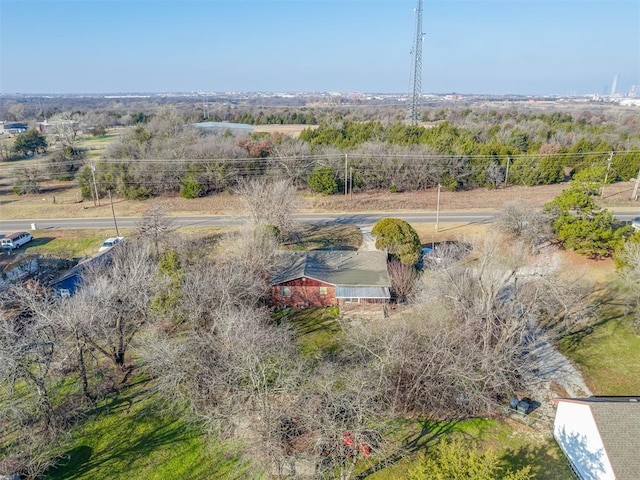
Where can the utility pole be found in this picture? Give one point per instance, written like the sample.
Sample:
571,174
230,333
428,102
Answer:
506,174
346,176
634,196
416,68
114,214
438,210
95,185
606,175
351,182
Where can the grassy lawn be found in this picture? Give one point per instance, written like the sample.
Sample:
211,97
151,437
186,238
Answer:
517,446
69,243
318,329
609,356
339,237
608,353
95,147
127,437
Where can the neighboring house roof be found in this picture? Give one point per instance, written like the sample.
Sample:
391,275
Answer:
16,127
342,268
70,280
616,420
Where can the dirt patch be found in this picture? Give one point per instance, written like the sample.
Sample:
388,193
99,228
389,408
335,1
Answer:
558,389
576,265
293,130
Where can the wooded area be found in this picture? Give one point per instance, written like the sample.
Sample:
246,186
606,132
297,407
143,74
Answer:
161,152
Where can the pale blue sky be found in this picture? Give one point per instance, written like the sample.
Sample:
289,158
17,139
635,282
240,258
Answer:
474,46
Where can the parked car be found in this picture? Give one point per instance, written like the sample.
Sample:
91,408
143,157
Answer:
110,243
635,223
16,240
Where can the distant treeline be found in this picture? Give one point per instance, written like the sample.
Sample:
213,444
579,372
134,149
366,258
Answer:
458,149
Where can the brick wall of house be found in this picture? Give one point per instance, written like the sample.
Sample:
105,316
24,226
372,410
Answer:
303,292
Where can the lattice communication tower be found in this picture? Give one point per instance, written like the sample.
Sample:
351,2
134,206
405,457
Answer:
416,68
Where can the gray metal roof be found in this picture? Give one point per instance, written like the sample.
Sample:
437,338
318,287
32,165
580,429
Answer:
343,268
363,292
223,126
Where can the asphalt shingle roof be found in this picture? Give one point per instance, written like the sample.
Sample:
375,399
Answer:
343,268
618,421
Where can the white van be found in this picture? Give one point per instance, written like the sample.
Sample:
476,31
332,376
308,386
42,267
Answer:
16,240
110,242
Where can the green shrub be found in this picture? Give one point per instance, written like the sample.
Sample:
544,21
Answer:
190,187
399,239
323,180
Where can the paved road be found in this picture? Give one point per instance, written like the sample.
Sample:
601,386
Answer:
8,226
359,219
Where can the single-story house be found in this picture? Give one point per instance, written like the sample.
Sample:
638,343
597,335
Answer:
43,127
323,278
67,284
600,436
15,127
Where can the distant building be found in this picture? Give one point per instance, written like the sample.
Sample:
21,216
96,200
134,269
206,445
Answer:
322,278
600,436
14,128
220,127
43,126
630,102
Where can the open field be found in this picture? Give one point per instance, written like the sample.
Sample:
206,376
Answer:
291,129
61,200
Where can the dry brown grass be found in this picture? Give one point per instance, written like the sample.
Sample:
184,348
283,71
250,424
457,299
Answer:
600,271
59,200
291,130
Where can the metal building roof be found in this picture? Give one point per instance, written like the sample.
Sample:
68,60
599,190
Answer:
363,292
223,126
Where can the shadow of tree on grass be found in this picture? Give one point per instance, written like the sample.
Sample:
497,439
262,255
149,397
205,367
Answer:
430,432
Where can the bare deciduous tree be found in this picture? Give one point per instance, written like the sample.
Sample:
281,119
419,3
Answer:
154,226
520,221
64,127
117,296
465,347
27,179
237,376
403,279
28,341
344,412
269,202
293,160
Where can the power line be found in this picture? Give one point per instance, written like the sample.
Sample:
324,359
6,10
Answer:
263,162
